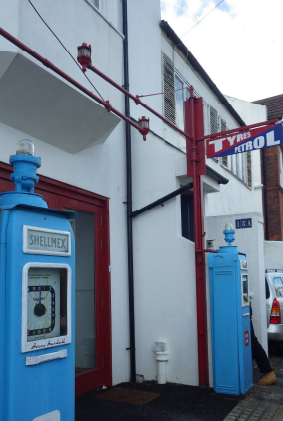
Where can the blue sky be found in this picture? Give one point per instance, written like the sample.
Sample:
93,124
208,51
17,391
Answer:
238,44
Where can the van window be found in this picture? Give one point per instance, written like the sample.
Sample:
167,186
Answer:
278,285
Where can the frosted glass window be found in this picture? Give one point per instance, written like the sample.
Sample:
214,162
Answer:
95,3
240,166
234,164
85,339
112,10
179,104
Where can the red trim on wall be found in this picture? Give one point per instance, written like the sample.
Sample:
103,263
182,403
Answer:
59,195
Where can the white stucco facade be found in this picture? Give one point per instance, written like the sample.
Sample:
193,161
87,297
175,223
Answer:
83,145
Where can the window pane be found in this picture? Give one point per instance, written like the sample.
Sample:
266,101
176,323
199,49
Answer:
278,285
179,103
115,13
95,3
187,216
229,162
213,120
168,87
234,164
240,166
85,339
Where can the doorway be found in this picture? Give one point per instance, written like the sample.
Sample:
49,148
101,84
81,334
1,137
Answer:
93,303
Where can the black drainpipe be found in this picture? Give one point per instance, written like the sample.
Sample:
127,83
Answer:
132,347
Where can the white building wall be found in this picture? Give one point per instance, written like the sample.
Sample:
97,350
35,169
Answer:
100,169
273,255
164,267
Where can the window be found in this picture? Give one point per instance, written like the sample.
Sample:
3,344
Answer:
213,120
223,125
267,291
168,88
179,100
112,10
240,166
278,285
187,216
95,3
173,99
175,94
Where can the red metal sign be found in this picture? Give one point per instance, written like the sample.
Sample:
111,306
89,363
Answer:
247,338
248,140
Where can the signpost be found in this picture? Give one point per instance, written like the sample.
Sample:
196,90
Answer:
234,142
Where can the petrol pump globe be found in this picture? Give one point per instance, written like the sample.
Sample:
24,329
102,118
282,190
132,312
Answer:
144,126
229,226
84,55
229,233
25,146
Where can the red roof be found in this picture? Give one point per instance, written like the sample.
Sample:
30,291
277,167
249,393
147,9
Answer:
274,106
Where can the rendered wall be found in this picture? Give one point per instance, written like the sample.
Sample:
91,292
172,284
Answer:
273,254
164,267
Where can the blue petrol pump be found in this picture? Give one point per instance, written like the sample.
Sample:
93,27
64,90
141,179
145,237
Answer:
230,318
37,255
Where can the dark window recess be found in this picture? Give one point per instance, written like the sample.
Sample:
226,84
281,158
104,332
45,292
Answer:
249,169
187,215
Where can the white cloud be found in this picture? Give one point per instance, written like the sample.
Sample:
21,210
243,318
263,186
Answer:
238,45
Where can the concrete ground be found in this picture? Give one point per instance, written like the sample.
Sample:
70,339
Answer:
149,401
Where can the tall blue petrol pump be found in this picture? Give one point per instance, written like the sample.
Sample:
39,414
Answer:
230,318
37,255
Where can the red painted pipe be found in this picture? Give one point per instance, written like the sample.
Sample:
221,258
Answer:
136,99
55,69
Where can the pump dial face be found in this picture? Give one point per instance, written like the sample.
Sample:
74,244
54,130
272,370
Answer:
43,303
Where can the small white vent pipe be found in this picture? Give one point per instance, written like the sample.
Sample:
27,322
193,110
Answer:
161,356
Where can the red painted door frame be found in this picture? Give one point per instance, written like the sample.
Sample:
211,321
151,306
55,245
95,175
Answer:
58,196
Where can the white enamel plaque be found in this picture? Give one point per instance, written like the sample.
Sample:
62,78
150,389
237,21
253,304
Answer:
51,416
46,241
38,359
